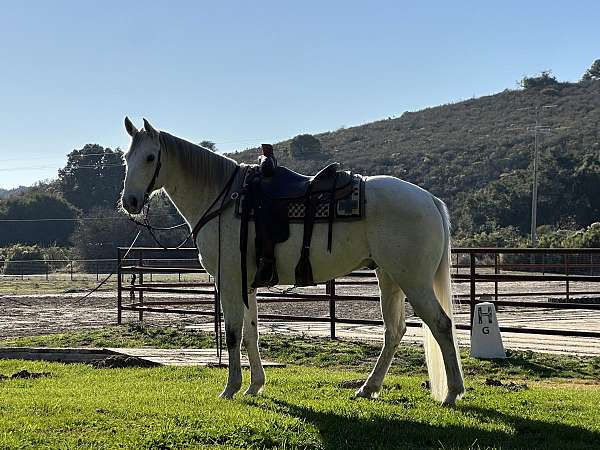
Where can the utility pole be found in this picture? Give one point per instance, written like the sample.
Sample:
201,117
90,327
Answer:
537,128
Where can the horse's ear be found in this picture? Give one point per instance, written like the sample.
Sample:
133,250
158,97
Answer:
149,129
130,127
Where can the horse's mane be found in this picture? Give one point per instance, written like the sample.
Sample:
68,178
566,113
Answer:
204,165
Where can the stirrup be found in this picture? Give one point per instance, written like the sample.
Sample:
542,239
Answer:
266,273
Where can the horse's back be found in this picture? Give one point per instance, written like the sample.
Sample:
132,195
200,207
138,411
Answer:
383,191
405,229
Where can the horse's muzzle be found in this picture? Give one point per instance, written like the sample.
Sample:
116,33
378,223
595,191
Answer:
132,204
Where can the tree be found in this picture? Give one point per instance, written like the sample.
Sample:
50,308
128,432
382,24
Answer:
209,145
593,73
20,219
93,177
104,229
544,79
305,145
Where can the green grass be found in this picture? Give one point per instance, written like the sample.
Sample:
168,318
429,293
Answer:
304,405
132,335
33,286
321,352
60,283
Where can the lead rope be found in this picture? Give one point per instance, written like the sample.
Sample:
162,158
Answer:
219,336
105,280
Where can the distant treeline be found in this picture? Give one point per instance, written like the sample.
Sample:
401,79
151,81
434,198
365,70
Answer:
79,210
477,155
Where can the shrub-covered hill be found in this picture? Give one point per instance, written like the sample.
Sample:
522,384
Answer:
477,155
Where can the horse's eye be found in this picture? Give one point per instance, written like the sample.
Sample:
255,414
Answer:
150,158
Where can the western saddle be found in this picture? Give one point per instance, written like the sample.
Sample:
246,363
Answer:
267,194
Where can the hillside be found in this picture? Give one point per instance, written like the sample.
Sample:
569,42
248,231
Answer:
476,155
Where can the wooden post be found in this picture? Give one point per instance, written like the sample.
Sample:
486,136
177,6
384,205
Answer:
330,290
472,289
119,288
71,269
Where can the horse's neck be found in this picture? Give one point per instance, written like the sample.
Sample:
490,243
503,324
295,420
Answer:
191,196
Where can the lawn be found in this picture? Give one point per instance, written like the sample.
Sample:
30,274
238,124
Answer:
551,403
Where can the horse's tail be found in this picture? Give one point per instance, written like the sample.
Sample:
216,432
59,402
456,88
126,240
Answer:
442,288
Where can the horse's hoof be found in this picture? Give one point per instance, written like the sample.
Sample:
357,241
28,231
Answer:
449,401
452,395
227,394
253,390
365,392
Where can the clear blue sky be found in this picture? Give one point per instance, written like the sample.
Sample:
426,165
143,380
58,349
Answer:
239,73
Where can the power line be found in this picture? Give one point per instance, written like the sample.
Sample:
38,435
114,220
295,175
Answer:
537,128
77,219
92,166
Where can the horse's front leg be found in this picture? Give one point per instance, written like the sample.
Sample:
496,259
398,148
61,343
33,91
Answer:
233,312
251,343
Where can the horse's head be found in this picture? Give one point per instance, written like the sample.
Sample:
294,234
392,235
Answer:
142,166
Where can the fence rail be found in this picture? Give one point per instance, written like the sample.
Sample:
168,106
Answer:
480,268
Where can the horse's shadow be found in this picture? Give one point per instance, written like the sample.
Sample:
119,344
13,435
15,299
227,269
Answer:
340,431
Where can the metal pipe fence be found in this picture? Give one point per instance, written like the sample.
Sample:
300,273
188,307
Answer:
485,271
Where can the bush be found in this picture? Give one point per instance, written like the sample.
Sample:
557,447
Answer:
588,237
16,257
496,237
544,79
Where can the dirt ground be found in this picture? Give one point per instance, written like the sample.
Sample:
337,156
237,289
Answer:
33,314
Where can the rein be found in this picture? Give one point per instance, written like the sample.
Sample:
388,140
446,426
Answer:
208,215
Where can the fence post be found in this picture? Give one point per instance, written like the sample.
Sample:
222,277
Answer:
330,290
141,293
472,290
97,271
543,264
567,274
119,287
496,273
71,269
47,269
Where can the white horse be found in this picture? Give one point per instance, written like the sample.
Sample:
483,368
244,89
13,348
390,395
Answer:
405,233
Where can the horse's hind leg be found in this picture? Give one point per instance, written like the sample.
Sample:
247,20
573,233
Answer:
393,312
250,340
427,307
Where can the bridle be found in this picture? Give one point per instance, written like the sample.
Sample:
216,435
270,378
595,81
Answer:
208,215
150,187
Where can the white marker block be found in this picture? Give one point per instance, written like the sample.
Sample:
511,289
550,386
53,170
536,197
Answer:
486,342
